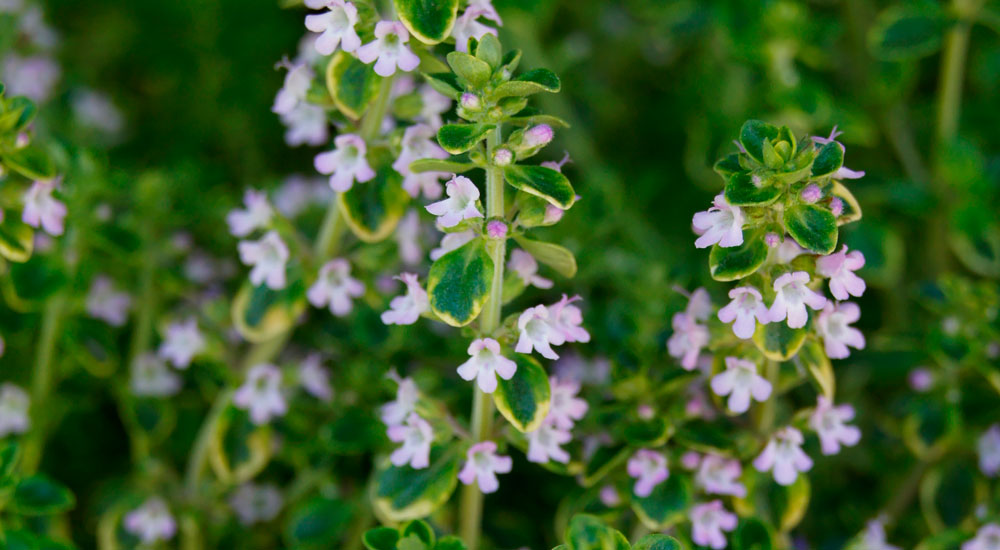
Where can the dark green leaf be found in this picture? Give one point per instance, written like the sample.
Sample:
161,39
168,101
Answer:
737,262
31,162
666,505
657,542
40,496
778,342
552,255
829,159
17,239
741,191
586,532
373,209
524,399
352,84
430,21
459,138
542,182
458,284
531,82
904,32
753,135
402,493
813,227
321,522
753,534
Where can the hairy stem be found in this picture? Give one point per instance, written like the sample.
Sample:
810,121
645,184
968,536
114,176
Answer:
481,422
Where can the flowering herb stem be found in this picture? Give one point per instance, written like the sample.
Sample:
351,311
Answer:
41,382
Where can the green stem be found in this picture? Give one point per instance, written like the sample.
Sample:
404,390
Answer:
765,420
199,451
481,422
372,122
952,75
41,382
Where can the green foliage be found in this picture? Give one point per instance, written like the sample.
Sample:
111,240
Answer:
524,399
459,283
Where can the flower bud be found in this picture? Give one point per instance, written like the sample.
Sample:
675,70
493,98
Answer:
811,194
496,229
23,139
503,156
837,206
772,239
552,214
470,102
538,136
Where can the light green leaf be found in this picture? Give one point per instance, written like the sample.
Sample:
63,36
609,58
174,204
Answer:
753,134
445,84
489,50
737,262
259,313
657,542
17,239
401,493
9,455
531,82
39,495
778,342
741,191
586,532
904,32
430,21
470,69
380,538
666,505
819,367
373,209
813,227
524,399
458,284
31,162
450,542
352,84
542,182
852,208
459,138
437,165
239,449
557,257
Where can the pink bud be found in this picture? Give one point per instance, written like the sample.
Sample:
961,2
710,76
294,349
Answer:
609,496
496,229
470,101
503,156
837,206
772,239
811,194
921,379
538,136
645,412
690,460
553,214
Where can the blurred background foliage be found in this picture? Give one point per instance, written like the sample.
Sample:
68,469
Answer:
655,91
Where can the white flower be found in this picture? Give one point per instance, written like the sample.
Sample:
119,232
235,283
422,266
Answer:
96,110
482,466
260,395
708,521
408,238
298,193
873,538
485,364
182,342
989,451
722,224
565,408
256,503
314,378
544,444
467,26
34,76
487,9
396,412
988,538
787,251
335,287
428,183
151,522
649,468
536,332
460,204
417,143
565,320
839,267
337,25
783,454
268,257
833,325
257,214
746,308
151,377
416,436
720,476
791,297
107,304
389,47
829,423
306,124
740,381
14,403
452,241
433,105
526,267
688,339
41,209
346,163
406,309
294,90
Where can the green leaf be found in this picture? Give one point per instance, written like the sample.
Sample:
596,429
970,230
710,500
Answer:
430,21
489,50
728,166
819,367
320,523
524,399
373,209
352,84
458,284
557,257
666,505
380,538
852,209
37,279
813,227
737,262
752,534
445,84
586,532
778,342
39,495
459,138
437,165
741,191
9,455
16,239
829,159
259,313
470,69
904,32
401,493
532,82
22,110
239,449
753,134
542,182
31,162
421,530
450,542
657,542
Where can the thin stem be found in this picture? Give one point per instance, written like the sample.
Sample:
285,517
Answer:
199,451
952,75
141,336
41,382
765,420
481,421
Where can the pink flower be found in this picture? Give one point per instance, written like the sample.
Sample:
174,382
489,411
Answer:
833,325
482,466
485,364
687,340
417,143
791,298
783,454
257,214
335,287
565,320
182,342
396,412
452,241
406,309
337,27
346,163
535,332
989,451
149,377
839,267
408,238
268,257
416,436
720,476
106,303
306,124
294,90
14,405
256,503
460,204
722,224
746,308
708,521
467,26
544,444
389,48
565,408
740,381
314,378
988,538
526,267
649,468
41,209
829,423
260,395
151,522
